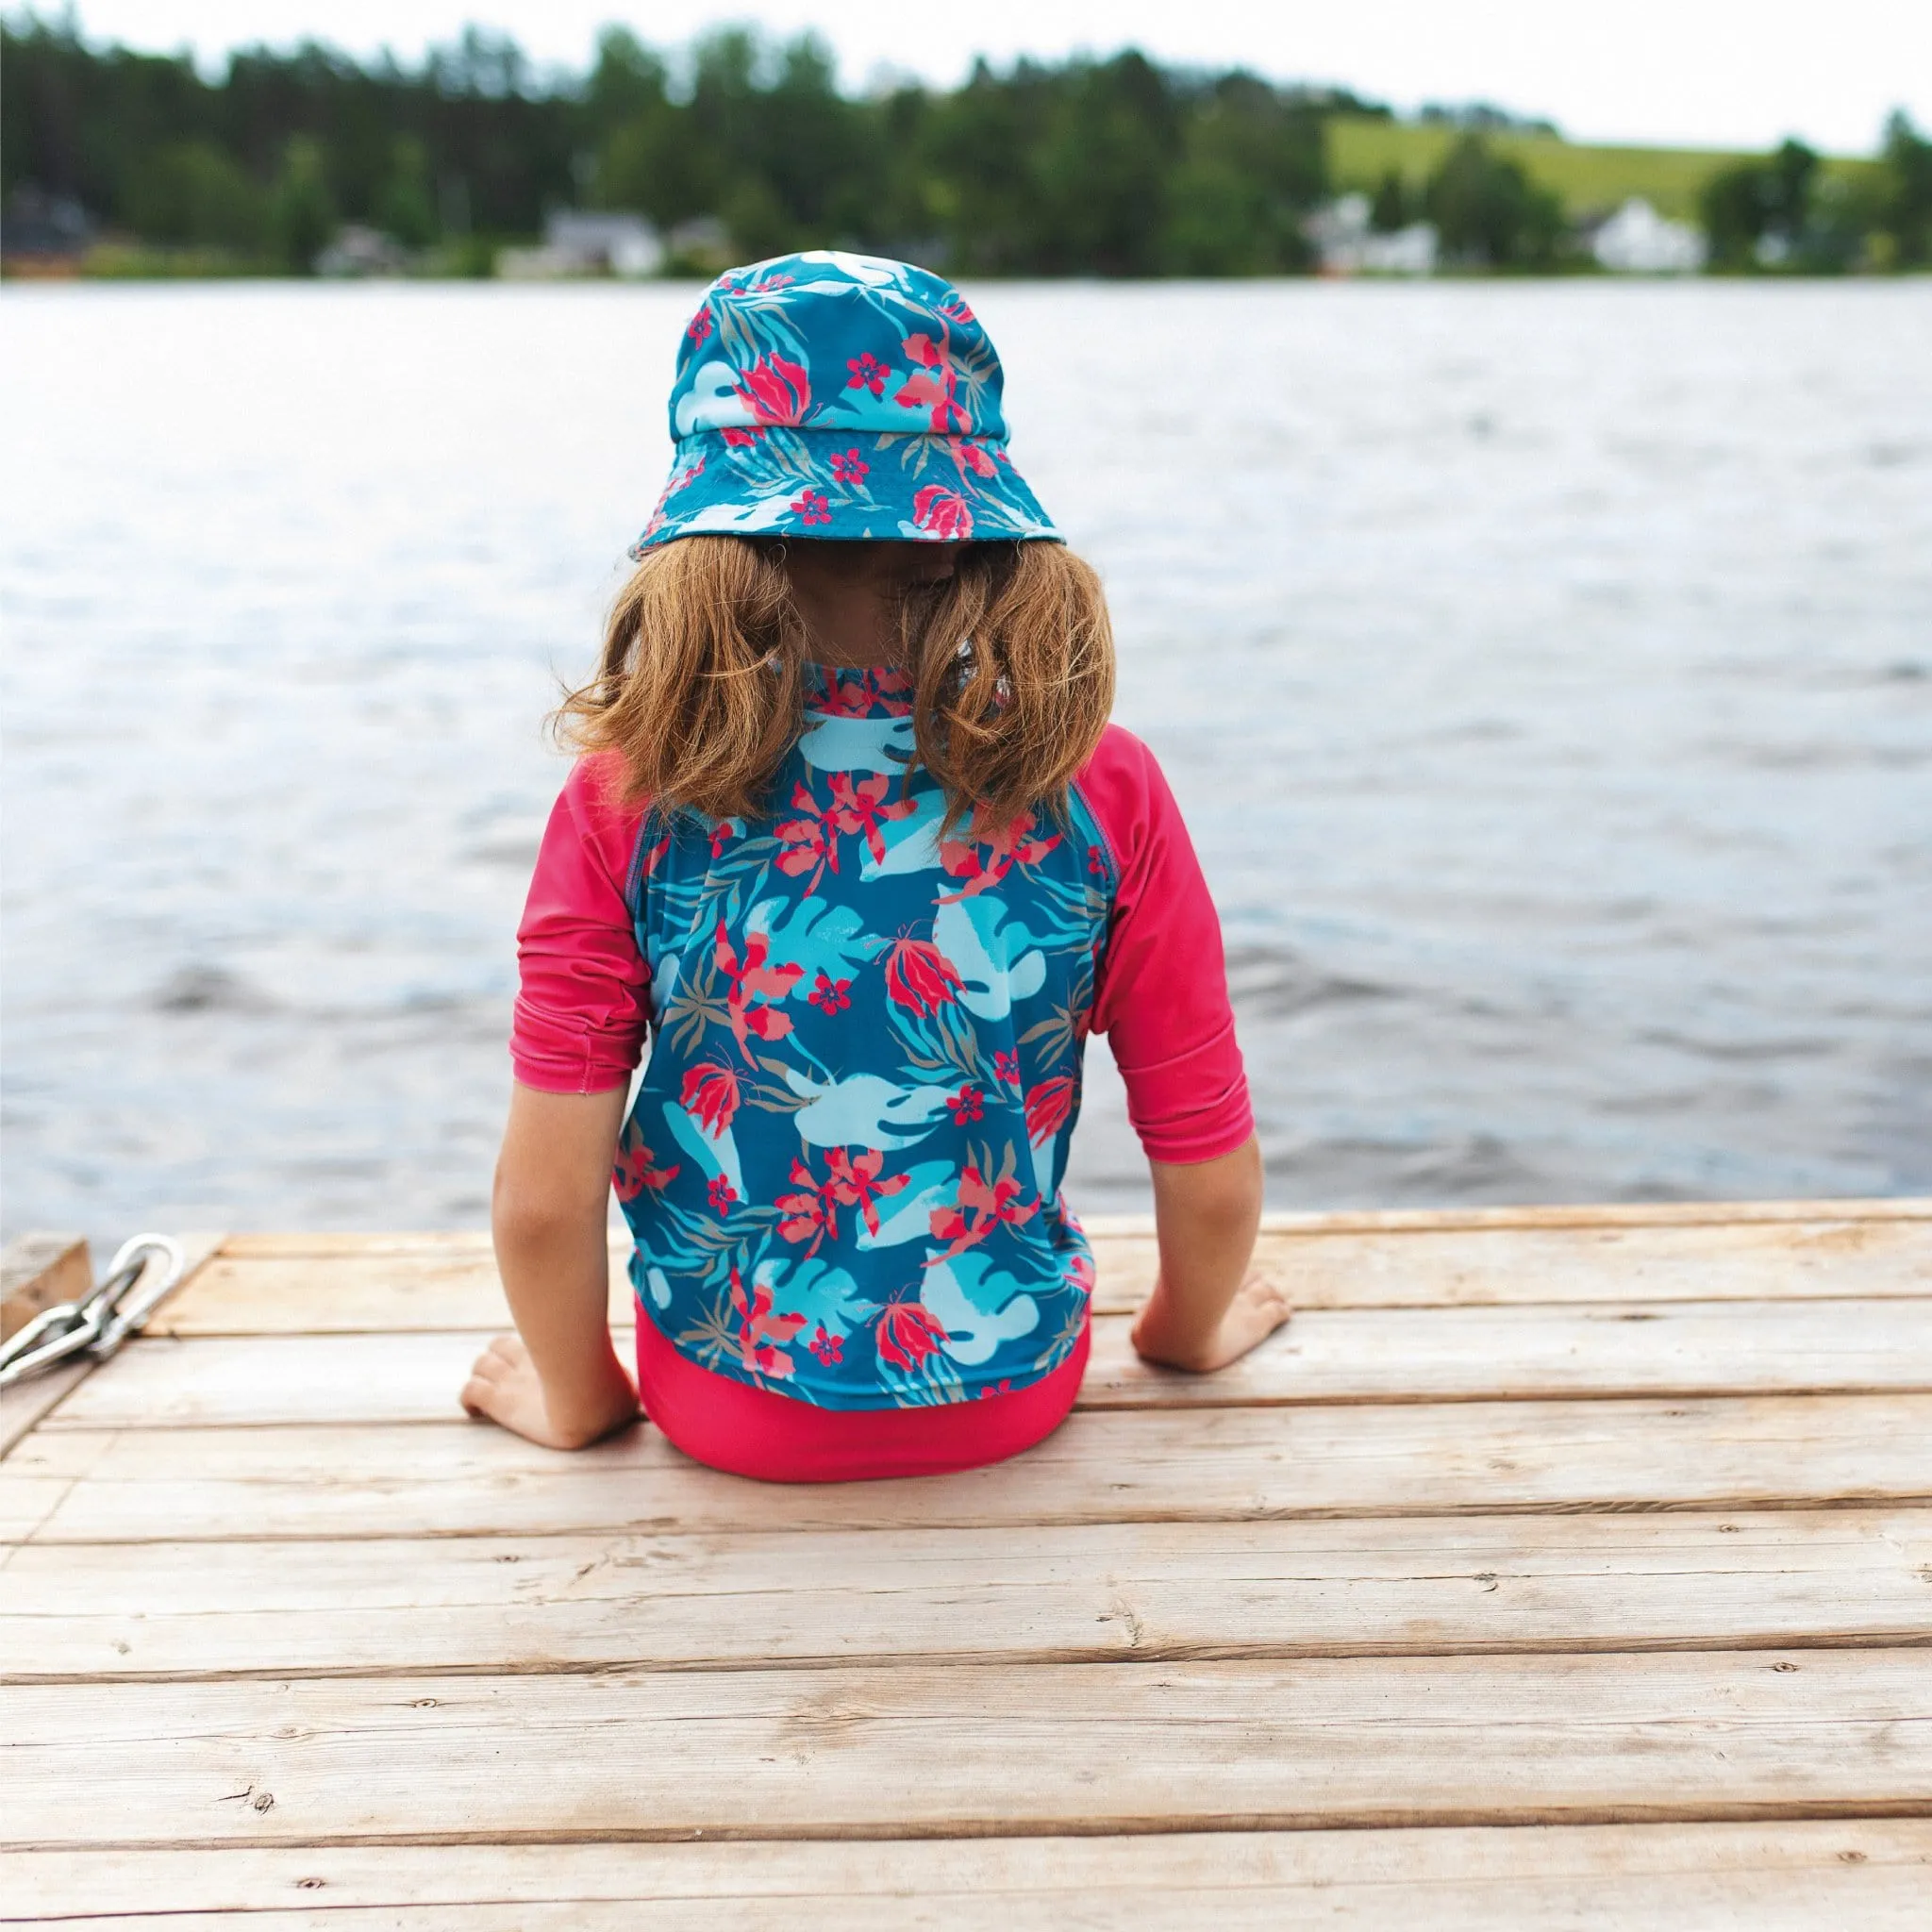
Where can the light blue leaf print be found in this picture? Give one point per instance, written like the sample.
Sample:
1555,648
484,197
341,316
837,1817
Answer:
863,1110
814,1288
993,951
729,518
816,938
659,1288
882,746
872,270
931,1184
912,843
978,1306
664,980
712,402
715,1154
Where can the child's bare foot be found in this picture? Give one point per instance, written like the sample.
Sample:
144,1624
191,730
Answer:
1258,1309
503,1388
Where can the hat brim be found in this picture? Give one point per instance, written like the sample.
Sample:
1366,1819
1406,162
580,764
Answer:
774,480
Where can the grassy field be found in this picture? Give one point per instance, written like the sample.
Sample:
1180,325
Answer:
1361,152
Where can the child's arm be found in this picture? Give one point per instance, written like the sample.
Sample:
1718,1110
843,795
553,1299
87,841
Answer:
1207,1309
558,1381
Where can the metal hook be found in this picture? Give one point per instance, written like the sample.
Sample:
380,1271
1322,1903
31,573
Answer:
104,1317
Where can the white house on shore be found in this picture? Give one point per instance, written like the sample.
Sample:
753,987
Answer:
1347,243
577,243
1636,240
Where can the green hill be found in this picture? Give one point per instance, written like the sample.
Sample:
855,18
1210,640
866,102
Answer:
1361,151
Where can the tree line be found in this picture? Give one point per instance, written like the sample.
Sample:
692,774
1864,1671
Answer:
1786,213
1102,167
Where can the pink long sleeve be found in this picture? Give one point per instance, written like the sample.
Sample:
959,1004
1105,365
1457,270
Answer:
1163,998
583,1006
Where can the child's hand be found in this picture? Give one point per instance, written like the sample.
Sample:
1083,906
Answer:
503,1388
1258,1309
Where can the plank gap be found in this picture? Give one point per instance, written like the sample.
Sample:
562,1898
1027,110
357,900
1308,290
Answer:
1151,1655
1239,1823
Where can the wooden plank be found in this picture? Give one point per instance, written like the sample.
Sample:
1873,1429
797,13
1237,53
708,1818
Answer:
26,1503
1870,1897
1379,1587
27,1403
1032,1748
1397,1460
1713,1877
36,1271
283,1247
455,1287
1538,1352
1543,1352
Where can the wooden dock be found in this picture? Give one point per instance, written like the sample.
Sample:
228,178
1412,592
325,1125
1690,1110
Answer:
1558,1566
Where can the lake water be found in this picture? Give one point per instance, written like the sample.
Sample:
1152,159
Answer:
1545,669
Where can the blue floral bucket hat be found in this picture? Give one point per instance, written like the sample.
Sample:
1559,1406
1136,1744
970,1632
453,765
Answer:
833,395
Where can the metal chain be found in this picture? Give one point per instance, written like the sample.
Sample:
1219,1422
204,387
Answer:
102,1320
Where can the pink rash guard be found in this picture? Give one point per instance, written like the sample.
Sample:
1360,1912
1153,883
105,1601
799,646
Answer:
583,1014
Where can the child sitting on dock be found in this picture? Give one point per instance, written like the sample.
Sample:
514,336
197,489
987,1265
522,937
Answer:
853,842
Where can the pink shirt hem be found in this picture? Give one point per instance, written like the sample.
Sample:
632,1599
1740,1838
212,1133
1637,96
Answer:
752,1432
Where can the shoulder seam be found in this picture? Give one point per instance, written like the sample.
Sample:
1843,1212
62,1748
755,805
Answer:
1115,867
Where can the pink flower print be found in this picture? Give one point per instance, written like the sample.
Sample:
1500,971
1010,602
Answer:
1079,1266
921,977
710,1095
1006,1065
736,438
637,1168
943,513
828,1347
981,1207
859,806
892,690
812,507
969,456
868,372
762,1334
1047,1107
810,841
854,1182
721,835
849,467
700,325
955,309
933,389
996,1389
968,1106
722,1193
775,389
909,1333
848,693
985,858
854,694
831,996
753,980
803,1215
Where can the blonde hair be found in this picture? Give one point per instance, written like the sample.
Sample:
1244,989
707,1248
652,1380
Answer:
701,683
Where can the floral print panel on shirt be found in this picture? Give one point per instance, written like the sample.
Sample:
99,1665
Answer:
842,1169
